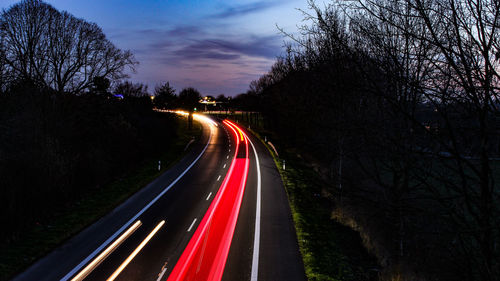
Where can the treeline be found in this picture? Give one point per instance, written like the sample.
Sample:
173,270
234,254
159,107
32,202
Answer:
57,149
396,103
68,125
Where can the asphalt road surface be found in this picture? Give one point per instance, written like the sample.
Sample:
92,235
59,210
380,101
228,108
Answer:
220,213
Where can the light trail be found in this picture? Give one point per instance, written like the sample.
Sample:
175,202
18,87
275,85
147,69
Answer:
135,252
188,255
136,216
196,116
206,254
91,266
256,245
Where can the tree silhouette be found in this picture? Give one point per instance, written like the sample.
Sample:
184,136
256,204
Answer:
165,96
189,99
100,85
57,50
129,89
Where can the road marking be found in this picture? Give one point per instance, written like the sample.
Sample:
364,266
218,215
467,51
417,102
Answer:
218,178
224,166
229,150
127,224
89,268
161,274
256,239
227,157
208,197
192,224
135,252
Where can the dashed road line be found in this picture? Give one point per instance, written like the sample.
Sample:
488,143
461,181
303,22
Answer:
192,224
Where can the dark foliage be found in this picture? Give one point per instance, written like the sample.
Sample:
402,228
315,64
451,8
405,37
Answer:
55,149
165,96
129,89
189,100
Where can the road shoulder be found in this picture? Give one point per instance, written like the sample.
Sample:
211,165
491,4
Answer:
280,258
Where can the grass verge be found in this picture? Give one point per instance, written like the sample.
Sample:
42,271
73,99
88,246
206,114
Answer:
330,250
41,239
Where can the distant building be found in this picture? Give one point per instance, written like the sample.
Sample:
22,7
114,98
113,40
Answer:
208,100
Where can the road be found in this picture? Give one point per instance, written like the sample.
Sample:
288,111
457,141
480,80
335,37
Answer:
220,213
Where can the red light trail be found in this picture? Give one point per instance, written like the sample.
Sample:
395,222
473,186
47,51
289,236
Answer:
206,253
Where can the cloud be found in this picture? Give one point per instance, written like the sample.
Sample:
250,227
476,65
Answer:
160,44
213,62
205,65
210,54
197,51
246,9
183,31
230,48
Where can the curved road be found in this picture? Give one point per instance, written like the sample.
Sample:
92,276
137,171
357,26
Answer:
225,219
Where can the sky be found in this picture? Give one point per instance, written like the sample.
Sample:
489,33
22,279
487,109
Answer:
215,46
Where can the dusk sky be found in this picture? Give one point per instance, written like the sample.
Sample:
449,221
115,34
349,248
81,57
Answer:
213,45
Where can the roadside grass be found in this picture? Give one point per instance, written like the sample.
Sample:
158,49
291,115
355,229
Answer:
330,250
41,239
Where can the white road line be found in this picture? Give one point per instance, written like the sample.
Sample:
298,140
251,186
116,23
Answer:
227,157
208,197
256,239
192,224
127,224
161,274
218,178
224,166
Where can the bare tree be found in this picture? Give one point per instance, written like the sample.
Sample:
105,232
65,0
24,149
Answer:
4,73
56,50
449,58
129,89
421,117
